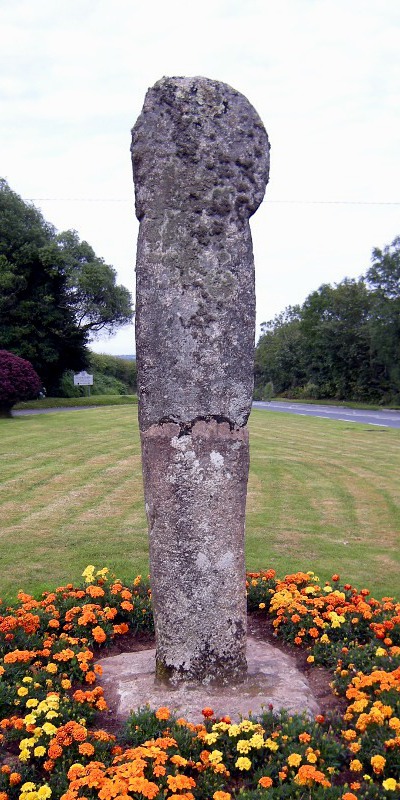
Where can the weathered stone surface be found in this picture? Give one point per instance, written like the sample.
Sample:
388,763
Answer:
273,677
195,491
200,158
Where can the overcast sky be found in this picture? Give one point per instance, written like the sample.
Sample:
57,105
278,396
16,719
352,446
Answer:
324,75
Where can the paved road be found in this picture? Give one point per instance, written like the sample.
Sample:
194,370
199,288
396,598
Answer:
385,419
23,412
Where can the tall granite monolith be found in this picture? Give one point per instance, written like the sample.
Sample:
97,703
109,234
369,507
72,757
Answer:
200,158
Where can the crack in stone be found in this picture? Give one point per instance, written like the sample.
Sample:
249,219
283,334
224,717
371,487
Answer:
185,428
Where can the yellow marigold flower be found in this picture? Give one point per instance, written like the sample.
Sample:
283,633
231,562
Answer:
220,726
257,741
271,745
66,683
246,725
294,759
327,589
222,796
22,691
356,765
312,758
233,730
137,580
32,702
102,573
29,786
215,757
243,763
44,792
52,668
261,605
27,679
310,659
243,746
389,784
49,728
380,651
24,755
211,738
325,638
88,573
51,714
30,719
39,751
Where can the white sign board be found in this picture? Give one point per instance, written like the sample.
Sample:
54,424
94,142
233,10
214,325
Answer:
83,379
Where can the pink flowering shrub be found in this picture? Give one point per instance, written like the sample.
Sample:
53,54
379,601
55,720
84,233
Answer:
18,381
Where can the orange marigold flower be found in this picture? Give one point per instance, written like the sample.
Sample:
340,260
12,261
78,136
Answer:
349,796
3,796
86,749
90,676
378,764
55,751
307,775
266,782
99,634
304,737
163,713
127,606
207,712
178,782
15,778
95,591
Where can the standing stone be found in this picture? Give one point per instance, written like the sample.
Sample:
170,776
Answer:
200,158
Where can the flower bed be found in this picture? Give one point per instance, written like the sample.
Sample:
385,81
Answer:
53,713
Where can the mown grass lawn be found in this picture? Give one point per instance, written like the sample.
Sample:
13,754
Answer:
323,496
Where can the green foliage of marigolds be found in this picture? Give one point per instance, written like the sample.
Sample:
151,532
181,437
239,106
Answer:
322,495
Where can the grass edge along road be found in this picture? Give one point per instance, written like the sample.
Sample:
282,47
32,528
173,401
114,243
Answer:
322,496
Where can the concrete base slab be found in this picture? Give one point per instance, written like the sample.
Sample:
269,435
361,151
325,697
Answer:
273,678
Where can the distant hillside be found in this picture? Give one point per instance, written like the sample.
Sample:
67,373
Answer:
128,358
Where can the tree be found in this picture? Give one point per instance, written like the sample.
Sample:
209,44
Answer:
335,325
36,321
54,291
383,279
279,353
98,303
18,381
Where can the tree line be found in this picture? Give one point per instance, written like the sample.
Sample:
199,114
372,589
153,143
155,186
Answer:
55,295
342,343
